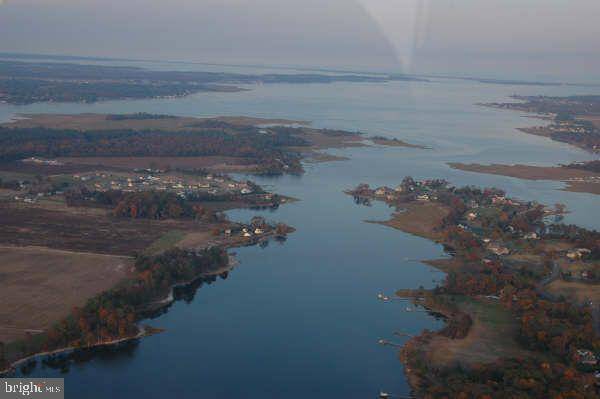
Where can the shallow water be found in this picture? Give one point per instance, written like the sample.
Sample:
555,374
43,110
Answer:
302,319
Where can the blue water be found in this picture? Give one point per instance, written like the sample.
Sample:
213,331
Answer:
301,319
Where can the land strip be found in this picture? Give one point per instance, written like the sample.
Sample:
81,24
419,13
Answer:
576,180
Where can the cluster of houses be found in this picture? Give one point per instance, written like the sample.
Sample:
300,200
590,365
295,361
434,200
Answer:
572,127
42,161
423,191
258,227
211,185
585,357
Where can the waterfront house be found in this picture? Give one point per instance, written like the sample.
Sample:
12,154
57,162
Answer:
586,357
498,249
577,253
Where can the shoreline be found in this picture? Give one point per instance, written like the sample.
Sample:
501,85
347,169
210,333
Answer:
152,306
486,299
144,331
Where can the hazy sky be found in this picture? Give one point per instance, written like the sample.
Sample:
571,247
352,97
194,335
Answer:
528,38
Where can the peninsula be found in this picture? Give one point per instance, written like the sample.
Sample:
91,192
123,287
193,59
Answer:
520,299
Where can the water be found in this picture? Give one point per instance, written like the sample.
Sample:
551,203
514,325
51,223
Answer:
301,319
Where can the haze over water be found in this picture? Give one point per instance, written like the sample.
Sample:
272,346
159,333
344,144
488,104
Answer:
302,319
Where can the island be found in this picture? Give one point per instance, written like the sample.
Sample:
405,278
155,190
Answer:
520,298
394,142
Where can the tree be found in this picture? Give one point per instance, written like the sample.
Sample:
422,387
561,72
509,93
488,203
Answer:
2,354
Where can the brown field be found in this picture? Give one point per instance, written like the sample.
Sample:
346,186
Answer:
492,336
225,164
82,229
32,169
579,292
445,264
583,187
421,219
319,140
101,122
528,172
595,119
196,239
525,171
41,285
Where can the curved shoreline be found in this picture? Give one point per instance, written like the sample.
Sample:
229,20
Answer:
144,331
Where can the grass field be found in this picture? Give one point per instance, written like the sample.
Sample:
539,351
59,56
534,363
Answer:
421,219
491,336
52,224
574,291
41,285
168,240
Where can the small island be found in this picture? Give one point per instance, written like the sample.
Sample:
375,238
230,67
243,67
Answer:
394,142
521,298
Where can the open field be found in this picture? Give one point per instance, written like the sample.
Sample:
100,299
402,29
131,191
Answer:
595,119
576,180
575,291
41,285
527,172
421,219
83,229
220,163
491,336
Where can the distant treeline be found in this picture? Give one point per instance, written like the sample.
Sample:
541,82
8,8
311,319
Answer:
27,91
591,166
142,204
29,82
267,150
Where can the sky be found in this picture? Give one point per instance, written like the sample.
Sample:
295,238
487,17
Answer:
533,39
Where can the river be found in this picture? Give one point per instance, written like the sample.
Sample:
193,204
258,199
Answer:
302,319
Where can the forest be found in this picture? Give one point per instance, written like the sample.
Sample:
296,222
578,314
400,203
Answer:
246,142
